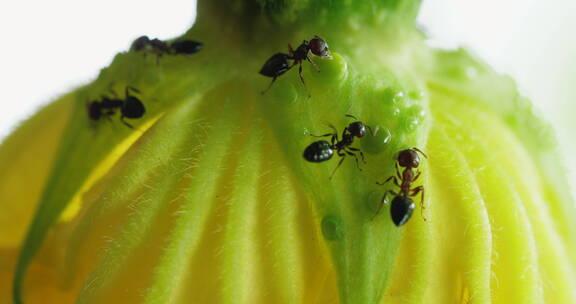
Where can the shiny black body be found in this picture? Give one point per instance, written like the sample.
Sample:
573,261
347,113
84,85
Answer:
274,67
401,210
402,205
318,151
185,47
341,146
130,107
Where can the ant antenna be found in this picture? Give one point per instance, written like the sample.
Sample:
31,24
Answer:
351,116
370,129
133,89
420,151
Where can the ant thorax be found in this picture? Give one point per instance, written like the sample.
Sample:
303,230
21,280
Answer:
301,53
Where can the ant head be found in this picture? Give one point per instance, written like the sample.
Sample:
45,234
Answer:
140,43
408,158
318,47
94,110
357,129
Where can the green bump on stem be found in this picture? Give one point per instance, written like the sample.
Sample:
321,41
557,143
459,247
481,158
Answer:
376,140
332,228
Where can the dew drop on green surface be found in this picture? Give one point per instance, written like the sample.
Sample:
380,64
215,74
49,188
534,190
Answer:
416,95
392,95
377,142
331,69
411,118
332,228
374,202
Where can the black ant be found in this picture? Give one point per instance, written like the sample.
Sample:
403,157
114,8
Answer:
159,47
278,64
402,205
130,107
321,150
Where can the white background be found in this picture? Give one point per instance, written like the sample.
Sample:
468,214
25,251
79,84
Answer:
49,47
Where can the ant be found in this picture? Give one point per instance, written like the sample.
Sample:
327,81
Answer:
322,150
402,205
130,107
159,47
278,64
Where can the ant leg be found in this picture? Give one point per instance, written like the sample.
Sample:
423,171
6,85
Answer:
415,191
333,129
124,122
398,171
355,157
323,135
130,88
417,176
270,85
370,129
327,134
107,116
387,180
313,64
420,151
111,90
351,116
334,138
360,151
290,50
393,178
338,166
382,201
302,77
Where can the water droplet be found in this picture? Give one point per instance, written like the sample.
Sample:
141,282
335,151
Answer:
413,116
332,228
392,96
399,97
471,72
376,143
331,70
416,94
374,202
